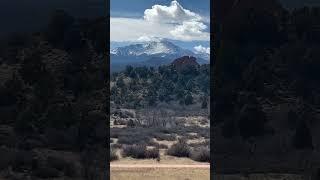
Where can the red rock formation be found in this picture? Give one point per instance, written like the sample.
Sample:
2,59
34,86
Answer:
184,61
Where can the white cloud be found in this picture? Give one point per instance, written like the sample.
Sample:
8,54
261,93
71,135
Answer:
131,29
189,30
174,13
172,22
201,49
149,38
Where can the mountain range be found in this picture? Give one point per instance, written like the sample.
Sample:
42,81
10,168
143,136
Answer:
151,53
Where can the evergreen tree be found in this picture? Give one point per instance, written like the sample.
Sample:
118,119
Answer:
188,99
204,103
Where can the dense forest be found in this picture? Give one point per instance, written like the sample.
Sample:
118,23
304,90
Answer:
140,87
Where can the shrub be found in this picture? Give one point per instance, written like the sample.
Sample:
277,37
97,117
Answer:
133,139
125,113
131,123
113,155
152,153
119,122
140,152
153,143
201,154
164,137
180,149
165,131
188,100
134,151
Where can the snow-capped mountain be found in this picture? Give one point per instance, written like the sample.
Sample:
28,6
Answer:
151,53
161,47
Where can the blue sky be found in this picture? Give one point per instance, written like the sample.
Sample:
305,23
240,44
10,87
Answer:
127,8
184,22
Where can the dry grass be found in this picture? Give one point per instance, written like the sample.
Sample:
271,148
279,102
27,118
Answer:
164,160
160,174
260,176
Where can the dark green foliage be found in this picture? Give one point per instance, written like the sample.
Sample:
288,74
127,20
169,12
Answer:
119,122
188,99
133,139
140,152
131,123
152,153
180,149
134,151
165,137
201,154
204,104
137,87
128,71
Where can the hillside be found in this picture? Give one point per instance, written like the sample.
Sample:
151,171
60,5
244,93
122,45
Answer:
161,113
147,86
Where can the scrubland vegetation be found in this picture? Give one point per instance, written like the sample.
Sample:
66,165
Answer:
163,109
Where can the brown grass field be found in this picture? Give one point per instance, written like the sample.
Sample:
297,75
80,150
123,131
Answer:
160,173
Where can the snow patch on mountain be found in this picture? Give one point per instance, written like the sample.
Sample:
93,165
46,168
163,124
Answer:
160,47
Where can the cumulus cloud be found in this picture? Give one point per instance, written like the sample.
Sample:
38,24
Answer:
131,29
201,49
174,13
149,38
189,30
172,22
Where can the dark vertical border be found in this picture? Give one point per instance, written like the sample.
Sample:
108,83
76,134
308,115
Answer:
212,61
107,58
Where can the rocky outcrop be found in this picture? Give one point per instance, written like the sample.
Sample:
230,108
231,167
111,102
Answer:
185,62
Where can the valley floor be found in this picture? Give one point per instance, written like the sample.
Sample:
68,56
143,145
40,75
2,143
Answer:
163,172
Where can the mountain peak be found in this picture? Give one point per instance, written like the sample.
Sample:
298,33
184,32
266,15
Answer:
154,47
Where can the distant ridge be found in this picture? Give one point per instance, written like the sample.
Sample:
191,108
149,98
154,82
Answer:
151,54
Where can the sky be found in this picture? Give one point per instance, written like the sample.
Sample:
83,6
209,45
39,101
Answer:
184,22
33,15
